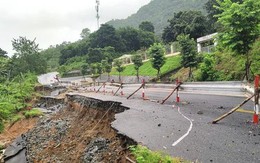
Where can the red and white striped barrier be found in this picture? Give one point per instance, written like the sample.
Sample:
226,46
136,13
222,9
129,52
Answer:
256,108
143,94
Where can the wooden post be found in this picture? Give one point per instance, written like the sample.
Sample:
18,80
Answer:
233,110
177,86
177,92
101,87
142,86
120,87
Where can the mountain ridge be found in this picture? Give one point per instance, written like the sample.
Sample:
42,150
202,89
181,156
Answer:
158,12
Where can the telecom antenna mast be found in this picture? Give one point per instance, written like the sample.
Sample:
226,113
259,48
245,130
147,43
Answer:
97,9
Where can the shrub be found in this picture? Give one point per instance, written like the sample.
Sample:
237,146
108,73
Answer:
207,71
32,113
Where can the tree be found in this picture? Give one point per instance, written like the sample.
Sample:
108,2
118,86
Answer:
119,68
93,68
134,39
105,36
146,39
3,53
255,57
147,26
109,53
71,50
185,22
99,68
188,52
157,53
137,60
107,67
211,8
129,36
85,33
240,23
95,55
85,69
27,57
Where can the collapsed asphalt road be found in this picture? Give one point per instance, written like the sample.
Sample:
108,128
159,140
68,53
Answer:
235,139
182,130
79,131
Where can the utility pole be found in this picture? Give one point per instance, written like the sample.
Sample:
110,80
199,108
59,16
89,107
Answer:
97,9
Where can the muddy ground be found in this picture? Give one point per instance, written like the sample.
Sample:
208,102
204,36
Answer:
78,133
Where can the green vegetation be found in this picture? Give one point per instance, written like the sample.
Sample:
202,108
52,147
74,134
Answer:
157,53
119,68
147,70
16,118
192,23
255,57
189,54
240,27
137,60
32,113
15,95
75,63
158,12
144,155
27,57
207,70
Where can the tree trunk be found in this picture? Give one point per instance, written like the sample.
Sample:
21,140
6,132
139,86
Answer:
119,78
137,75
190,73
158,74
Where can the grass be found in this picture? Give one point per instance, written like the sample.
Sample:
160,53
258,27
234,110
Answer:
33,113
16,118
144,155
147,70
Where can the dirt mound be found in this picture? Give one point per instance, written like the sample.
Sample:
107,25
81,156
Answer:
77,134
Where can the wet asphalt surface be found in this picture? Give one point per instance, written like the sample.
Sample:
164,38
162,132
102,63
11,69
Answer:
234,139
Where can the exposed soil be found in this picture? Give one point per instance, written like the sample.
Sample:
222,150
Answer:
12,131
77,134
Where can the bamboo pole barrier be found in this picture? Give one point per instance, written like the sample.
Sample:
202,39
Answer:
232,110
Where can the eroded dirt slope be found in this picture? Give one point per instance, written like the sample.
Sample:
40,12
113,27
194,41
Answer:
77,134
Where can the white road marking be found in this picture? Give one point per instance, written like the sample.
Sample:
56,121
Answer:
187,133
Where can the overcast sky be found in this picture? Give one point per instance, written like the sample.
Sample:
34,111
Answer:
55,21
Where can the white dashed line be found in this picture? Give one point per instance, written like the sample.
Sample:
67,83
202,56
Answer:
187,133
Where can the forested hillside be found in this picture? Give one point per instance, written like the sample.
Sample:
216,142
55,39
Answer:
159,12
